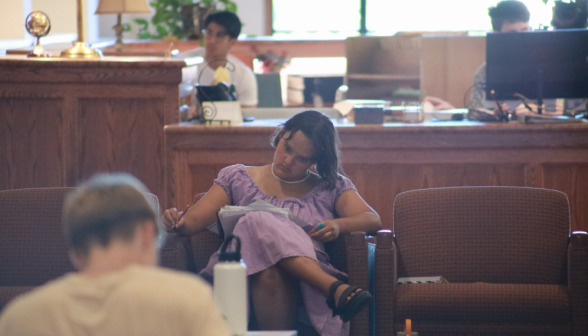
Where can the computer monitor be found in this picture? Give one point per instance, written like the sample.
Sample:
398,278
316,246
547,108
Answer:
537,65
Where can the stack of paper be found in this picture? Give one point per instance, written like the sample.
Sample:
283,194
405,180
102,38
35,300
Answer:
229,215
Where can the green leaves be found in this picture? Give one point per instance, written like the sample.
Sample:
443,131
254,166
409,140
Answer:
161,30
141,22
167,19
231,7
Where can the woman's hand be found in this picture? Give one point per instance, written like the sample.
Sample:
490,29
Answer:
326,231
172,219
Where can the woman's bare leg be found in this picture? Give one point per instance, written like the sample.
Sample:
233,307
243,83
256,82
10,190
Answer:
275,297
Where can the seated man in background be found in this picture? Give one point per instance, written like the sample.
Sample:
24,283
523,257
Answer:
220,35
112,234
506,16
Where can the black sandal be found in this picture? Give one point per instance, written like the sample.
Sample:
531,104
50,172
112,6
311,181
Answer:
347,309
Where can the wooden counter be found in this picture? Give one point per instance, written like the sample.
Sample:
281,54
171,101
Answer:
383,161
63,120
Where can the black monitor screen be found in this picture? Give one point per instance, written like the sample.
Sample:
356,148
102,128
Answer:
538,64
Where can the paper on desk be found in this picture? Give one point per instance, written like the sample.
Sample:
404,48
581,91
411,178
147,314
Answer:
344,107
229,215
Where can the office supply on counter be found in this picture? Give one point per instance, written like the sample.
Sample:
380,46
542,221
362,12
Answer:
222,111
369,114
532,118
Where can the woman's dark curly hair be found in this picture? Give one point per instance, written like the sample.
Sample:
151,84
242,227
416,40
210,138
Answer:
319,129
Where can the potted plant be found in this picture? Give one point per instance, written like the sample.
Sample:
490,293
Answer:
178,19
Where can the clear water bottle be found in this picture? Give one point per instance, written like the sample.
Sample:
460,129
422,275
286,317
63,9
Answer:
230,287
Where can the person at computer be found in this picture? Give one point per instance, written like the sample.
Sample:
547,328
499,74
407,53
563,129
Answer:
112,232
507,16
286,263
220,34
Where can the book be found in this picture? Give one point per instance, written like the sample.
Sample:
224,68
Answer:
229,215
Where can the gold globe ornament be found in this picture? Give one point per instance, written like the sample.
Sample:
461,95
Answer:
38,25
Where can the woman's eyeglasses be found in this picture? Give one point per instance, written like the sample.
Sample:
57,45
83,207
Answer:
219,35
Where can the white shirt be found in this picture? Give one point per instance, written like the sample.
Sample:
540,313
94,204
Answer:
240,75
136,301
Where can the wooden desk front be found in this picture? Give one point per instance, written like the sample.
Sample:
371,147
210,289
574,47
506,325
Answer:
62,121
383,161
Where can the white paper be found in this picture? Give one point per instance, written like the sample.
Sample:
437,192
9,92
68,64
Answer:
223,111
229,215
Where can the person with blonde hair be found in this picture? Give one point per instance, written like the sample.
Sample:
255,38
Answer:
112,232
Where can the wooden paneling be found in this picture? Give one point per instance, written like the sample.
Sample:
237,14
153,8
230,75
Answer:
122,135
448,64
62,121
385,161
27,158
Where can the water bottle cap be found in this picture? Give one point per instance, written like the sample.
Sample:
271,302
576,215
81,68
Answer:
225,255
229,256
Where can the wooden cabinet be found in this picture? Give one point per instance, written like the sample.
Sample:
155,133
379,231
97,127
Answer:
62,121
448,64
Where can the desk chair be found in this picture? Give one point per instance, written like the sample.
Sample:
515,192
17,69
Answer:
513,267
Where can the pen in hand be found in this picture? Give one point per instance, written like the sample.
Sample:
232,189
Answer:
181,216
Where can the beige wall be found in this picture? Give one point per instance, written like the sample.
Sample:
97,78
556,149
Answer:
12,15
62,14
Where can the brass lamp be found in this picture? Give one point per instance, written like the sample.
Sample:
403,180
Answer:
119,7
80,48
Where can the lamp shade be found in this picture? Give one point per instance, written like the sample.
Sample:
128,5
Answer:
122,6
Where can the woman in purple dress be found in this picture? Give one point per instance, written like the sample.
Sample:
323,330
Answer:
287,264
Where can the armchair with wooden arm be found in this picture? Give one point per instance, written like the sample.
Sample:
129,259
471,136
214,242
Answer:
348,253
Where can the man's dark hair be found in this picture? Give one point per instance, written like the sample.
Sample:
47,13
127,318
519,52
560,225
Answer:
508,11
228,20
106,207
319,129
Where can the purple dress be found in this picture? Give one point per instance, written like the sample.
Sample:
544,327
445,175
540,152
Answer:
267,238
